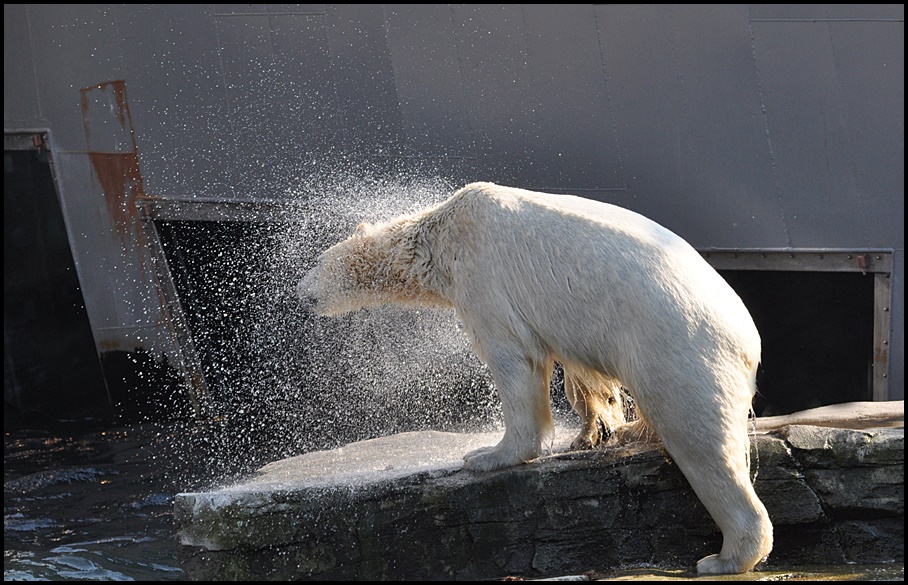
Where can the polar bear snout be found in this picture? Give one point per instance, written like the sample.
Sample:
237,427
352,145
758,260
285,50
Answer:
306,289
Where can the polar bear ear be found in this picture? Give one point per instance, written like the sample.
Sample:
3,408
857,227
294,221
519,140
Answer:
363,228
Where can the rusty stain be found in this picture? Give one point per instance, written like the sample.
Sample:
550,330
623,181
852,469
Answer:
118,173
121,182
120,179
119,91
118,88
880,356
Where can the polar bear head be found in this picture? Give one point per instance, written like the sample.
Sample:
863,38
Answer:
378,264
346,276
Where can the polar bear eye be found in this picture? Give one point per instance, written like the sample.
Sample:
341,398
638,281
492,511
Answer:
611,400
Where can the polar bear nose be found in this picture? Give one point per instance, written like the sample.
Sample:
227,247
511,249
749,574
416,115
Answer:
305,289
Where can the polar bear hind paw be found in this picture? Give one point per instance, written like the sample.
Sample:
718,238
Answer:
713,565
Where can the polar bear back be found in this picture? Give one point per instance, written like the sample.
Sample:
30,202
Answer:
550,260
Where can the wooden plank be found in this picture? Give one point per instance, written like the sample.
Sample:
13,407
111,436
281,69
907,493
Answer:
882,329
831,260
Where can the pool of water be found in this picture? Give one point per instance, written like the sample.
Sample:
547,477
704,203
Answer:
89,504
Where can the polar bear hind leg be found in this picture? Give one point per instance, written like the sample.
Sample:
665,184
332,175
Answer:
716,466
733,504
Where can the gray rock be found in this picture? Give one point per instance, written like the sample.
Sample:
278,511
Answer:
402,507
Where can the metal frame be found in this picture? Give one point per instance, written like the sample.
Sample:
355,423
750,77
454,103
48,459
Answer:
802,259
877,261
153,209
191,366
41,140
201,209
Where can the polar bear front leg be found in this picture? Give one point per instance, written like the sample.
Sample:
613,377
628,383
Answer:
524,391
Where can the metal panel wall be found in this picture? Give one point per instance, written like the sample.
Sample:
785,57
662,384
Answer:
736,126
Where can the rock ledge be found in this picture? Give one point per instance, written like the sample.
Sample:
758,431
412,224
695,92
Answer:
402,507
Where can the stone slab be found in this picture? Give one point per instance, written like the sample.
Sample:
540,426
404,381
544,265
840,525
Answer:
403,507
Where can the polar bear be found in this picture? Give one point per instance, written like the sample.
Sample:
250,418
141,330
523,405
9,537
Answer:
611,295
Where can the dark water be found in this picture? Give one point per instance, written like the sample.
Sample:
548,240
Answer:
95,504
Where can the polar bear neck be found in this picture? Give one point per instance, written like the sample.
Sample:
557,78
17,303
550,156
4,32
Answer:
393,263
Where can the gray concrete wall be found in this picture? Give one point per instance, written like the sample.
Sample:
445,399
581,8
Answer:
736,126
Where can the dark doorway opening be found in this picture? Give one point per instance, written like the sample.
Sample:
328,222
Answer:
817,331
218,269
51,370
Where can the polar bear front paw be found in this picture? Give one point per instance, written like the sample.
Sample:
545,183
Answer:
491,458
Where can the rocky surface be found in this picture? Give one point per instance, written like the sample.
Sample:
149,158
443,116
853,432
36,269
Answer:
402,507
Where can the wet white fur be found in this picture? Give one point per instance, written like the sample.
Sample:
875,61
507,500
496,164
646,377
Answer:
537,277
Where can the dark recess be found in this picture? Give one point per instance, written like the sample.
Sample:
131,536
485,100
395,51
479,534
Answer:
817,331
51,371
